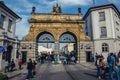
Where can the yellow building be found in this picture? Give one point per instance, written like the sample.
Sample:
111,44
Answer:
56,28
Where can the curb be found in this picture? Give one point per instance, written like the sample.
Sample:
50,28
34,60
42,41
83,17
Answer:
14,75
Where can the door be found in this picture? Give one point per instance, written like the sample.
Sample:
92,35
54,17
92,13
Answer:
24,56
88,56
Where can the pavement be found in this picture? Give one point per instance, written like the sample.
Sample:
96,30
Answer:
18,72
89,65
21,74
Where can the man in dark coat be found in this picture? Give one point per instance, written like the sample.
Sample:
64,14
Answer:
29,68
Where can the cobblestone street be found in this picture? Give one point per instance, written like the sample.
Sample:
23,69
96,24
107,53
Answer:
50,71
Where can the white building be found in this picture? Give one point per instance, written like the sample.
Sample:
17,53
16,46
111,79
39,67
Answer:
8,20
103,27
42,49
68,48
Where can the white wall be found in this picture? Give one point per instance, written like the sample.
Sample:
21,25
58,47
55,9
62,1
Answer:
7,17
113,30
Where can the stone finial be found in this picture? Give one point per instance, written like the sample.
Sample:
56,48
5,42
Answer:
57,9
33,10
79,10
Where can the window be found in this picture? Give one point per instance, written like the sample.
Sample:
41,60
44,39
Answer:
2,19
101,16
9,25
105,47
117,23
103,32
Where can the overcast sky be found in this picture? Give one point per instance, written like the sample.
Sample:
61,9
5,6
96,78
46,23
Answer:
23,9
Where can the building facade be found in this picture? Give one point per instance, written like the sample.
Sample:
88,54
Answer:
7,33
56,27
103,27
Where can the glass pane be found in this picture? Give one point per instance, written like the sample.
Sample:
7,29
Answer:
67,38
46,38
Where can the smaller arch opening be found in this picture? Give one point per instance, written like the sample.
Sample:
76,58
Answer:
68,46
45,43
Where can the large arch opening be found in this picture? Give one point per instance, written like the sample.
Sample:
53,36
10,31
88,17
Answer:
45,44
68,45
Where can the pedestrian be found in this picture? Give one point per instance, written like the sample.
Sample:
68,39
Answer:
116,68
20,64
29,68
111,64
98,65
12,64
96,56
6,66
73,59
34,67
92,56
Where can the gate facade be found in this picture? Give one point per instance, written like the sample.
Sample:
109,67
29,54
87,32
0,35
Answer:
56,23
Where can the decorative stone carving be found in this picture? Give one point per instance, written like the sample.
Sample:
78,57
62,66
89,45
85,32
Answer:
57,9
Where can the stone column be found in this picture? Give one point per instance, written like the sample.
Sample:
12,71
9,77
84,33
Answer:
56,49
82,53
78,50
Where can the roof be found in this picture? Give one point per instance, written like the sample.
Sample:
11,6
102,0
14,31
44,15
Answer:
101,7
2,5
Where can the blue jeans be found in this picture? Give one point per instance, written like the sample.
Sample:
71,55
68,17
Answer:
119,71
111,72
116,69
98,71
30,74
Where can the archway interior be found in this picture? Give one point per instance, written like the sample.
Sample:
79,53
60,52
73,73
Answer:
68,45
45,44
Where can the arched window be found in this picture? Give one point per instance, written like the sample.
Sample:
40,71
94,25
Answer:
105,47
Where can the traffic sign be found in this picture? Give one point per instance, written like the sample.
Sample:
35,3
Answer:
2,49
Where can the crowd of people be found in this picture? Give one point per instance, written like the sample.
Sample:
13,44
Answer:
111,67
68,59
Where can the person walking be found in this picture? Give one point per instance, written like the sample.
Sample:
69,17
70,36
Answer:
116,68
92,56
111,64
12,64
98,65
6,66
29,68
20,64
119,64
34,67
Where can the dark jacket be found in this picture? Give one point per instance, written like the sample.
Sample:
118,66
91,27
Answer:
29,65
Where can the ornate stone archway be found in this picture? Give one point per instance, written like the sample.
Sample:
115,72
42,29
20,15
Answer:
55,23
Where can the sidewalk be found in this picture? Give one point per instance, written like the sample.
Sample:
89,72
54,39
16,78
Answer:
21,74
17,72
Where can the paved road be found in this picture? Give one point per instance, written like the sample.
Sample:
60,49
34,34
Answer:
50,71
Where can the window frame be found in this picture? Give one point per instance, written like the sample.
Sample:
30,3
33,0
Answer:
105,47
2,21
102,16
10,25
103,32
